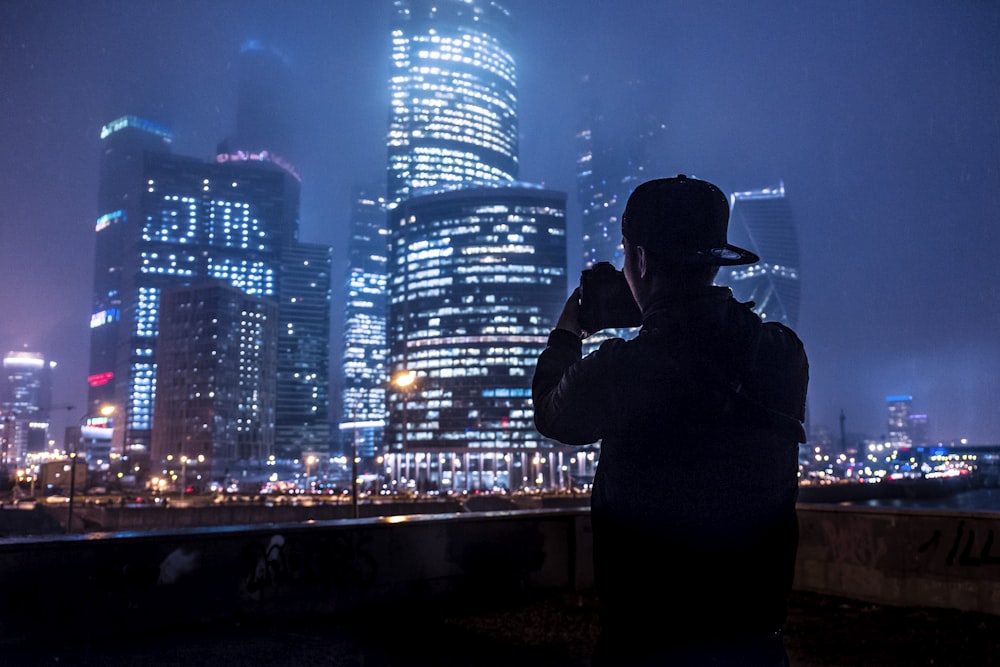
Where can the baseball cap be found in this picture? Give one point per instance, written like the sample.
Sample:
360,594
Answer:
682,218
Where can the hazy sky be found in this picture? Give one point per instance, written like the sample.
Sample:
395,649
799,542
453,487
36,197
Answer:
881,118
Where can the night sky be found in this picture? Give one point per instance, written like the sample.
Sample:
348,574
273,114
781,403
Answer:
881,118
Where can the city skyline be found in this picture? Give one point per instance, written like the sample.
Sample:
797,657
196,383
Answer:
878,119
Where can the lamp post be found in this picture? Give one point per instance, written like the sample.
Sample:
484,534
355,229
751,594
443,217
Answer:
403,380
72,489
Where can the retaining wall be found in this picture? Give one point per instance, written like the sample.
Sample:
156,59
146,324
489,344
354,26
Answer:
128,582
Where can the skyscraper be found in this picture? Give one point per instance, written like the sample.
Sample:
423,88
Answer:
477,263
618,146
477,277
167,221
453,113
263,109
762,221
24,406
898,407
303,392
365,355
216,357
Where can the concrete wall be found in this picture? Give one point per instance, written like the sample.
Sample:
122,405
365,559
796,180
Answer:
908,558
128,582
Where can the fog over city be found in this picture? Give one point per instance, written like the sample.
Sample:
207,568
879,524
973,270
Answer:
880,117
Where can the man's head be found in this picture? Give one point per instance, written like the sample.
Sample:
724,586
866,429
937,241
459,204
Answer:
682,220
674,233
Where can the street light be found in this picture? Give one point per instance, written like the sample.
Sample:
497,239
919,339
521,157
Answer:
104,411
403,381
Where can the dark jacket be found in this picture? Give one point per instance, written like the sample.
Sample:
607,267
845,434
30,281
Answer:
693,506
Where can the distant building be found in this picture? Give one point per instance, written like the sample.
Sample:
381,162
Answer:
478,276
366,305
618,147
762,221
302,417
898,408
453,111
25,403
217,360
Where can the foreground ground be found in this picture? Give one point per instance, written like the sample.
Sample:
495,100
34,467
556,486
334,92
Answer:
556,631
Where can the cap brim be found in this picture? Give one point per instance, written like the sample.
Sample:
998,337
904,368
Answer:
727,255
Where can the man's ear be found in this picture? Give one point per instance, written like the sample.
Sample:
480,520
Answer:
641,263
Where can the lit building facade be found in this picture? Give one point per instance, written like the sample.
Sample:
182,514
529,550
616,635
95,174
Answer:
762,221
617,148
365,353
168,221
303,393
453,109
216,372
898,407
24,406
477,278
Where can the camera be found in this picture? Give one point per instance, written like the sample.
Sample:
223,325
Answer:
605,300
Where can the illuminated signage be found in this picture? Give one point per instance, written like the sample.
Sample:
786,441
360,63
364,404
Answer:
103,317
99,379
262,156
135,121
109,219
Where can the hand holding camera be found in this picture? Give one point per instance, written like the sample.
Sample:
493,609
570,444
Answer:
606,301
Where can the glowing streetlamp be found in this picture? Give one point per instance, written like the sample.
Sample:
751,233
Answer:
403,380
104,411
310,461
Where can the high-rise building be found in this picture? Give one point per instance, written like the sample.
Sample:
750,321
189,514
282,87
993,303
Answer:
477,278
303,392
762,221
453,112
167,221
216,368
365,355
263,109
24,406
898,407
618,147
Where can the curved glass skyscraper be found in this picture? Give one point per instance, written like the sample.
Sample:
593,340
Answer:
453,113
762,221
478,275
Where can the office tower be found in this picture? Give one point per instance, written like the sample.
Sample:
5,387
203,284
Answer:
365,309
263,109
453,113
303,391
618,147
477,278
167,221
264,114
762,221
216,368
24,406
917,425
898,407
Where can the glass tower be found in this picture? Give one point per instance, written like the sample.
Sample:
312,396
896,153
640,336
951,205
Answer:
478,276
24,406
453,112
617,149
762,221
303,392
365,309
